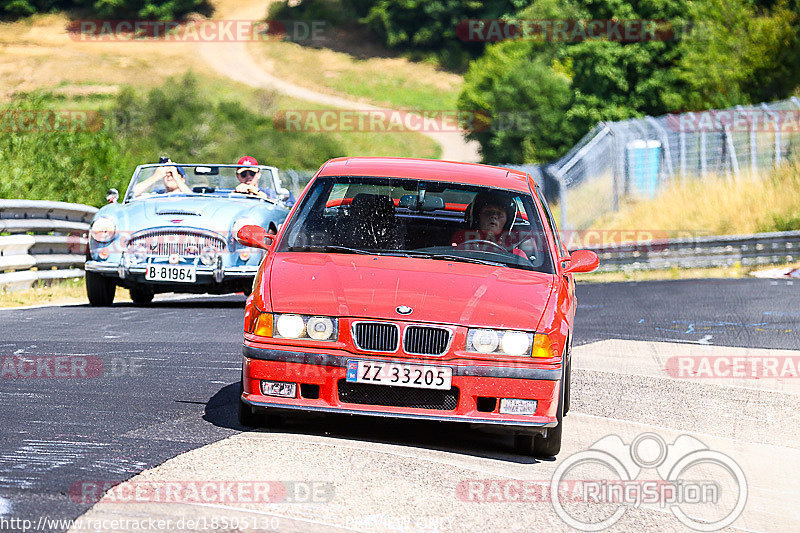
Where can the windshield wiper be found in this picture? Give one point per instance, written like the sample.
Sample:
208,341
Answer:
330,248
450,257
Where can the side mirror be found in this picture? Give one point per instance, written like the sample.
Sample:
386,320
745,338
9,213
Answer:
254,236
112,196
582,261
283,194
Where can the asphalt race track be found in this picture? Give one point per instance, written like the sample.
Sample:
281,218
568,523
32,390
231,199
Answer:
134,387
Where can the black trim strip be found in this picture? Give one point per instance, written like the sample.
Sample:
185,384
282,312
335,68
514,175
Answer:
319,359
472,421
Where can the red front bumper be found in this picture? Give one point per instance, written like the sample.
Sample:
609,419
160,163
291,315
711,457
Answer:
473,385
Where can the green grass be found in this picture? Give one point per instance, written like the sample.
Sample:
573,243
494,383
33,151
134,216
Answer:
391,82
716,206
733,272
190,119
71,291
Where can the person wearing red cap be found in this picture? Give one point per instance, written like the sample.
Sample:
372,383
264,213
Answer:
248,174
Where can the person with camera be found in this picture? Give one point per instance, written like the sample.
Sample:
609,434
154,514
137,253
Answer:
173,177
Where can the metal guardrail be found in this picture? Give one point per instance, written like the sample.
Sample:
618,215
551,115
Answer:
48,241
26,258
702,252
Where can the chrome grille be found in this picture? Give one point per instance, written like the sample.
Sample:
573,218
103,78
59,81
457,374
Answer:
376,336
425,340
181,242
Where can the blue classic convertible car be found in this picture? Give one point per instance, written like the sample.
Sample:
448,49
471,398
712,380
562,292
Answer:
175,231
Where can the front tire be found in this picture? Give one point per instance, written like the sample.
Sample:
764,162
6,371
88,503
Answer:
550,445
247,417
100,289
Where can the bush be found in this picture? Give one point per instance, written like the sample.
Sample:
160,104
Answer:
421,29
68,166
180,121
175,120
119,9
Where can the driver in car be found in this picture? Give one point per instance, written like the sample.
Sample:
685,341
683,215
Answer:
248,174
489,217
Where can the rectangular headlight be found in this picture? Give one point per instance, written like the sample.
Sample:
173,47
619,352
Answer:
318,328
496,341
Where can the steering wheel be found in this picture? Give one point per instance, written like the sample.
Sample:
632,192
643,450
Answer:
518,247
483,241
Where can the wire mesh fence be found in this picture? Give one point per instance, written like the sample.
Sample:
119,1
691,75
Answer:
295,180
638,157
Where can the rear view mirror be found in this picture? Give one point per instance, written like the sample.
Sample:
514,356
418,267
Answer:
582,261
430,203
254,236
206,171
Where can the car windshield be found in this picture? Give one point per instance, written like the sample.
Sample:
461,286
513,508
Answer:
420,218
171,178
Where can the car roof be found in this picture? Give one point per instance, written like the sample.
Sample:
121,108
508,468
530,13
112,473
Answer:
427,169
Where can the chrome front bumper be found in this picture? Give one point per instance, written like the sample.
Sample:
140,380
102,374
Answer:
125,268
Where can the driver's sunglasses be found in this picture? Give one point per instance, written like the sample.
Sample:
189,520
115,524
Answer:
246,174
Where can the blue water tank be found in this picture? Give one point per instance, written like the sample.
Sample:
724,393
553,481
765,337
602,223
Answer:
643,158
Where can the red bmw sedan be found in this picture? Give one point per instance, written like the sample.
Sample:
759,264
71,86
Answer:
413,288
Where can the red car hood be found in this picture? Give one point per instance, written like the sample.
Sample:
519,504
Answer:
438,291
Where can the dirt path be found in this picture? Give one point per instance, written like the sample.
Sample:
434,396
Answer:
233,59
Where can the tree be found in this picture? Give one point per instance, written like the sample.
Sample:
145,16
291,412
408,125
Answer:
739,54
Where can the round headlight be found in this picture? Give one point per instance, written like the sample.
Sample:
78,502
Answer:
485,340
319,328
103,229
240,223
515,343
290,326
208,255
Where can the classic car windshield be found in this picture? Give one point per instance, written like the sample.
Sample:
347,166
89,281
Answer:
419,218
198,179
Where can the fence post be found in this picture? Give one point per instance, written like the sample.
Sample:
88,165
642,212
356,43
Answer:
732,149
614,165
683,153
703,163
665,144
777,120
753,146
